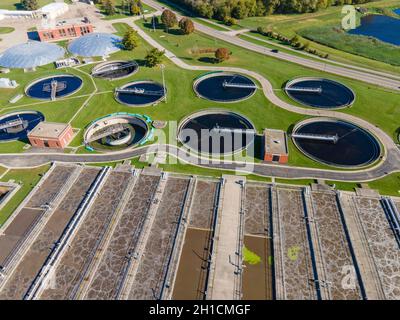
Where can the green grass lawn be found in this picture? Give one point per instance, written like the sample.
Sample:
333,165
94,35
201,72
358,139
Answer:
15,4
4,30
389,185
369,99
27,178
289,24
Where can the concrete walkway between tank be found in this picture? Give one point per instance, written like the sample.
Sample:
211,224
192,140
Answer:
225,258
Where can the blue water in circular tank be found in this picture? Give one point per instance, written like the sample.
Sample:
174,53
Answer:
17,125
66,85
354,147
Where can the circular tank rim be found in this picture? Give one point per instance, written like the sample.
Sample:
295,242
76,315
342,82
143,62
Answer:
331,119
101,64
19,112
141,105
52,76
115,116
212,111
213,74
297,80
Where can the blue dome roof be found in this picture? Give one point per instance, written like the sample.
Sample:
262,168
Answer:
30,55
95,45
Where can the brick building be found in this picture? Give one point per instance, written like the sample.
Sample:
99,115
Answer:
51,135
64,31
275,146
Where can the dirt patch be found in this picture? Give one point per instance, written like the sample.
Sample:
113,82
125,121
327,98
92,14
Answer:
191,276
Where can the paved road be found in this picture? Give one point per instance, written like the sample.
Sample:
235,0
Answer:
392,163
369,76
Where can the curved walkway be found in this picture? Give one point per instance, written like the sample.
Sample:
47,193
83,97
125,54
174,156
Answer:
390,162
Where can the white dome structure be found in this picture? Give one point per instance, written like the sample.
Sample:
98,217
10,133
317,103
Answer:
55,9
95,45
30,55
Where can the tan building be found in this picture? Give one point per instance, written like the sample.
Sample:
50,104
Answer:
275,146
51,135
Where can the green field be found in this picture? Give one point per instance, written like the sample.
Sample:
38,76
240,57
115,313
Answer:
27,178
15,4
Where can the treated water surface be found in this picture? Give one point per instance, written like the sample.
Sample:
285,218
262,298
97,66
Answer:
384,28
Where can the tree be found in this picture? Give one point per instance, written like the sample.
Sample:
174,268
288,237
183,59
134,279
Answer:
130,40
169,19
154,57
222,54
109,7
135,9
30,5
186,25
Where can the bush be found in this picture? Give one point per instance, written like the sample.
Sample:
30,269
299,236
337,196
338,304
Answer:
186,25
153,57
169,19
229,21
130,40
222,54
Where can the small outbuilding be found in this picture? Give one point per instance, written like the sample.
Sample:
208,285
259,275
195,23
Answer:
275,146
51,135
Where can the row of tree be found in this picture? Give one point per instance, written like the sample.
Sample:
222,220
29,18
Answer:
294,42
239,9
170,20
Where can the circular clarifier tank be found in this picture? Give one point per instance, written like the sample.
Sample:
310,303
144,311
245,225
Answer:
115,69
336,142
140,93
116,132
320,93
16,125
54,87
224,87
216,132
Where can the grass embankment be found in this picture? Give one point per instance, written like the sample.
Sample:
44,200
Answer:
332,36
27,178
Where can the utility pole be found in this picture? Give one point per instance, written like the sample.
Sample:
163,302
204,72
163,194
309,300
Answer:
162,66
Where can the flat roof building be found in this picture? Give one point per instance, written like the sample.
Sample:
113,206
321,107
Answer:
275,146
51,135
67,29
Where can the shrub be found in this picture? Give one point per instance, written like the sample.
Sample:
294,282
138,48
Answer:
222,54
